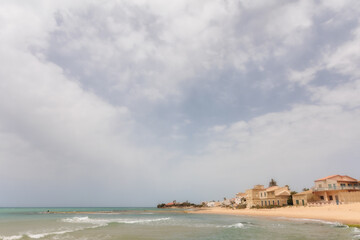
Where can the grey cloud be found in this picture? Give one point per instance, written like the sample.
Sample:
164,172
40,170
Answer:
136,102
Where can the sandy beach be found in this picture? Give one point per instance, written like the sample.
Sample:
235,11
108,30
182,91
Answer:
346,214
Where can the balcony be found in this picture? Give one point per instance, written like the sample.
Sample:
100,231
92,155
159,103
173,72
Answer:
337,188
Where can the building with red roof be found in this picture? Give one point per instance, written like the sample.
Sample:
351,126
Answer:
335,189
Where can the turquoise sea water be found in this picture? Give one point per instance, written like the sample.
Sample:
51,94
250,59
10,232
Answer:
151,223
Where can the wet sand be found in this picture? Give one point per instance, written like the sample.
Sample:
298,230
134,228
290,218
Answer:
346,213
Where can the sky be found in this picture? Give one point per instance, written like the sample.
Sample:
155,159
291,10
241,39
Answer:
138,102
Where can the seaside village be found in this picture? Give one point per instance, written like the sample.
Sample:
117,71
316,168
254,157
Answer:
334,189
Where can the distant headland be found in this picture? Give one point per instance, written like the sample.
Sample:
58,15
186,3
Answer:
175,204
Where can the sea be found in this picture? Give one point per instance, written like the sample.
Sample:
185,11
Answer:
153,223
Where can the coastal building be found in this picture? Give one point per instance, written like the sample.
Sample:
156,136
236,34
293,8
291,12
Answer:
212,204
334,189
303,198
240,198
226,202
253,196
264,197
170,204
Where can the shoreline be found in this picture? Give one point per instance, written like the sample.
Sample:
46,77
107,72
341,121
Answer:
348,214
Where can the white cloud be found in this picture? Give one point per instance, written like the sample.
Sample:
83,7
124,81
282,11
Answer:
303,77
347,95
54,134
346,58
304,143
155,49
289,22
218,128
57,126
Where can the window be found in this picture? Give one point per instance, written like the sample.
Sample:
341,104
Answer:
349,185
261,194
334,185
262,203
265,203
278,202
303,202
273,202
330,198
297,202
269,202
320,185
329,185
322,197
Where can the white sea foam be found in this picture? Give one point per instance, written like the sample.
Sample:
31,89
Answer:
104,222
356,236
100,222
41,235
36,235
236,225
14,237
315,220
44,234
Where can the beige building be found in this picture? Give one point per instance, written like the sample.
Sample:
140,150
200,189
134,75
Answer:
263,197
332,189
303,198
253,196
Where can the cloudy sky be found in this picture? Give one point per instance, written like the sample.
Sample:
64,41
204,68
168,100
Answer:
137,102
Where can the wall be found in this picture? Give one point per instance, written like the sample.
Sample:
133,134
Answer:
349,197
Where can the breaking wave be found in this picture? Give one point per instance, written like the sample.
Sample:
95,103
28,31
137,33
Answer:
37,235
95,224
14,237
236,225
103,222
357,235
335,224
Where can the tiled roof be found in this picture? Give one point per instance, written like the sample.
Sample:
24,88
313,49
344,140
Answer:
283,193
269,189
341,177
331,176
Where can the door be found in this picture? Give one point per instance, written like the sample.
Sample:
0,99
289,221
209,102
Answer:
337,199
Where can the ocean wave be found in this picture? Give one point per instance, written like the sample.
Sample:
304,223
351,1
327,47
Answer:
103,222
41,235
236,225
34,235
336,224
14,237
44,234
